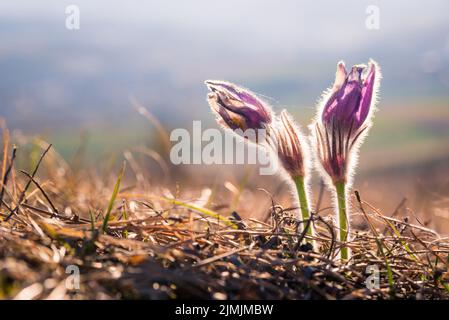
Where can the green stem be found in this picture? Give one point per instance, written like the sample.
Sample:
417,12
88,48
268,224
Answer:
342,217
304,205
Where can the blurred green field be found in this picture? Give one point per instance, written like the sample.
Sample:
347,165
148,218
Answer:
404,134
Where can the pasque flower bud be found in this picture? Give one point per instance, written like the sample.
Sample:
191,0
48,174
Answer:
290,145
344,118
236,107
293,153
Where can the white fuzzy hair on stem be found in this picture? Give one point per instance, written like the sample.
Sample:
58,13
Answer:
293,153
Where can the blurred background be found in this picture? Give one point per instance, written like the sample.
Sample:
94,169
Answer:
70,86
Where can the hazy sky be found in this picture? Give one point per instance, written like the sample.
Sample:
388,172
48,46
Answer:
290,24
161,51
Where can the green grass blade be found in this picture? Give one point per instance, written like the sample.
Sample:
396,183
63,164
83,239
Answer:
387,264
92,222
113,197
403,243
204,211
125,216
241,186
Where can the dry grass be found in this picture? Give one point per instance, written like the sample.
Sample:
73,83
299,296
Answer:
150,243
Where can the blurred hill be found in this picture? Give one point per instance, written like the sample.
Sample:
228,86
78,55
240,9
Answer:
58,82
162,52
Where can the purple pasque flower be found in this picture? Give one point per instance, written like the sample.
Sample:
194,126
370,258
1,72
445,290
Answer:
350,101
290,145
344,118
236,107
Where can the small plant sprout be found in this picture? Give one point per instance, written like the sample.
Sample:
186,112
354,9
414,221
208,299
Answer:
343,120
293,151
238,108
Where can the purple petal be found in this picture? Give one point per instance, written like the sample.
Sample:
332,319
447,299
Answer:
367,95
242,102
344,103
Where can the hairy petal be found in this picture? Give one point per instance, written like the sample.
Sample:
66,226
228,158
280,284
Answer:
238,107
343,123
367,95
289,144
344,103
